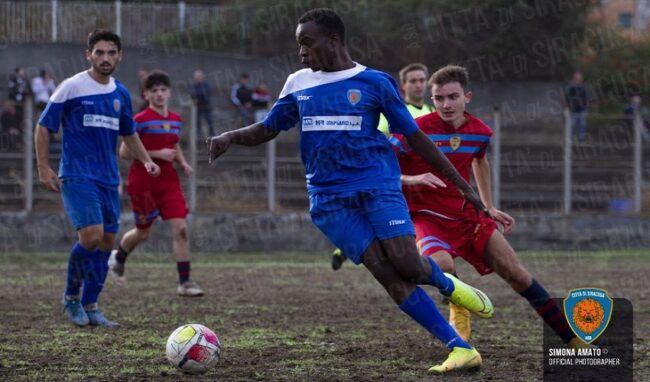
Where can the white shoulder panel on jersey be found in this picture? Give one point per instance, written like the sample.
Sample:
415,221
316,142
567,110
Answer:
306,78
81,85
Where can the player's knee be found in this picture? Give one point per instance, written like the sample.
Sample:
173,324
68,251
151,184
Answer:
180,232
91,238
90,241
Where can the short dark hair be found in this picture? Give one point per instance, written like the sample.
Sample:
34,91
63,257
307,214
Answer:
411,68
103,35
156,78
329,21
448,74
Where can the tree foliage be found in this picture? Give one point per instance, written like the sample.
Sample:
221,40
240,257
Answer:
497,40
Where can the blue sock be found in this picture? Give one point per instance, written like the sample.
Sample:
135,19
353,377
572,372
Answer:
75,271
438,278
94,275
102,257
419,306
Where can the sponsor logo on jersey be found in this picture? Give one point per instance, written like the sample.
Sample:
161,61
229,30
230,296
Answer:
332,123
96,120
396,222
588,311
166,126
354,96
454,142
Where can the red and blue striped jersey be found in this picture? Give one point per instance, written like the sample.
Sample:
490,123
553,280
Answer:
461,146
157,132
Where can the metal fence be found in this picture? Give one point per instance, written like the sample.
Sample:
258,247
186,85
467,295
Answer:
69,21
606,171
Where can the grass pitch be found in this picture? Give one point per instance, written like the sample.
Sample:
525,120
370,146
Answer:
286,317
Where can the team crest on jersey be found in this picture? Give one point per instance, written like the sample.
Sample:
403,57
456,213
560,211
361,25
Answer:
354,96
116,105
588,311
454,142
166,126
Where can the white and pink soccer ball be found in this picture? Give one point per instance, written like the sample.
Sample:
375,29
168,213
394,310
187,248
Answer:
193,348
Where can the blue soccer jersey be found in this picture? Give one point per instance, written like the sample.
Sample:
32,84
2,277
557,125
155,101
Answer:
92,116
338,112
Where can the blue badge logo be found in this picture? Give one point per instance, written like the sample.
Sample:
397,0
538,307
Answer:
588,311
116,105
354,96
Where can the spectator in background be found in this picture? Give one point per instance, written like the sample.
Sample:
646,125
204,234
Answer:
200,92
241,95
18,91
42,88
143,72
576,99
10,125
260,99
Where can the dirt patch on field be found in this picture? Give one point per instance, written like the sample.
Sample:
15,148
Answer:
284,317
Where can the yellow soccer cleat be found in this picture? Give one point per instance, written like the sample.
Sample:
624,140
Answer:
471,298
459,359
459,319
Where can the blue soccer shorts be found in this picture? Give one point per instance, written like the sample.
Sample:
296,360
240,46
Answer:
353,220
89,203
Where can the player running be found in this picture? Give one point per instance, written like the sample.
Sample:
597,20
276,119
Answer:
443,230
353,177
159,129
93,108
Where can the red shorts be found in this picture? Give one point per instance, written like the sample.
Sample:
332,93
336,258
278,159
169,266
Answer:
466,237
164,199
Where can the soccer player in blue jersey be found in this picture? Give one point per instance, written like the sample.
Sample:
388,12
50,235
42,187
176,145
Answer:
353,178
93,108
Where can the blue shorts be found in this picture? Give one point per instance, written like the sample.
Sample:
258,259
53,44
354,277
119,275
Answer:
353,220
89,203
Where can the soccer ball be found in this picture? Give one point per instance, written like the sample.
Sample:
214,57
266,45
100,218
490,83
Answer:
193,348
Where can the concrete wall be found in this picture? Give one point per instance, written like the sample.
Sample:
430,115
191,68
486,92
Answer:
295,232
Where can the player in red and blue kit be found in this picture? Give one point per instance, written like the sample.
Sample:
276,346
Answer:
353,178
443,229
159,129
94,109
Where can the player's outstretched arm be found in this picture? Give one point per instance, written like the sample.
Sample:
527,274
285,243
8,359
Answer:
252,135
422,145
481,171
134,145
48,178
